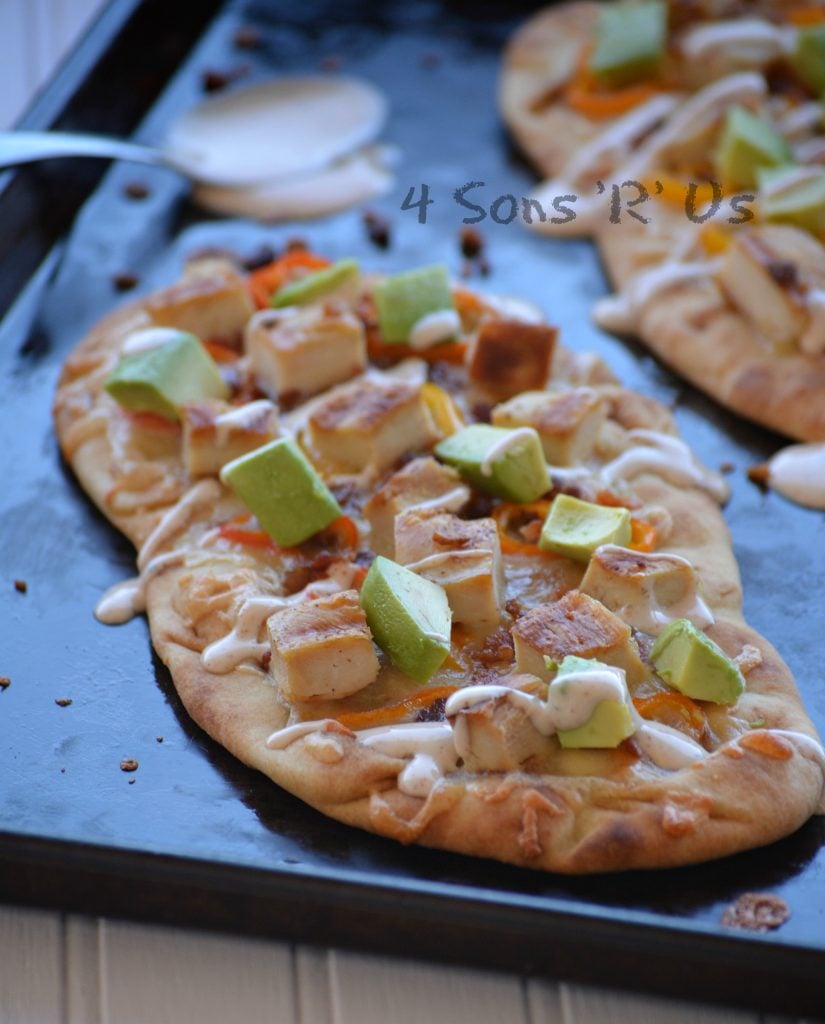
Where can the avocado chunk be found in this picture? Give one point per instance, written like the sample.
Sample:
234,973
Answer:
809,57
279,485
409,617
506,463
800,202
610,722
316,285
630,42
404,299
747,143
163,377
576,528
693,664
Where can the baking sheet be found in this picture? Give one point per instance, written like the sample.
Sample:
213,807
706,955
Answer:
194,837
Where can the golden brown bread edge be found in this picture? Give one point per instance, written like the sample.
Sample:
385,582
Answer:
621,818
711,344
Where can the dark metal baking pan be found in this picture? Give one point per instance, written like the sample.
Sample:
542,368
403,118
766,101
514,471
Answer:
192,836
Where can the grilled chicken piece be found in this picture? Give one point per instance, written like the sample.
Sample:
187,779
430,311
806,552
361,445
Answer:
497,736
568,422
422,483
322,649
745,277
463,557
215,433
576,624
211,301
646,590
511,356
370,424
307,351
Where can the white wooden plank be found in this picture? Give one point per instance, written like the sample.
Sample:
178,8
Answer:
31,967
166,976
374,990
312,978
585,1005
82,971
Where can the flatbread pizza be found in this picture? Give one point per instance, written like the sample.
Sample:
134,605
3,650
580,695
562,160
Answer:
433,573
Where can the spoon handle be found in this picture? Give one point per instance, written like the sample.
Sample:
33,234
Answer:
28,147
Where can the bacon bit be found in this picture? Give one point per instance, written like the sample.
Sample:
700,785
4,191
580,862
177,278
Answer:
128,764
221,353
498,648
749,658
21,586
768,744
756,912
137,190
673,709
508,513
268,280
397,712
378,228
643,535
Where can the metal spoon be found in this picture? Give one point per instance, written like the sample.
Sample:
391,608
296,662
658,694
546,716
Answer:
28,147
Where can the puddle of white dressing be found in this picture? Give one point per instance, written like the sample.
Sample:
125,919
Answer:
355,178
277,129
798,473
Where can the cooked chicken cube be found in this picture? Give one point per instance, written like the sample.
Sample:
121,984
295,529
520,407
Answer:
745,277
576,624
305,351
497,736
568,422
211,301
646,590
322,649
510,356
370,424
422,483
215,433
462,556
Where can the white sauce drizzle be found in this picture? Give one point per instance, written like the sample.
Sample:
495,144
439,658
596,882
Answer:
645,611
430,745
798,473
622,312
252,416
241,642
805,117
810,151
666,747
789,180
127,599
451,501
441,325
812,342
500,448
751,39
446,559
178,517
147,339
668,457
282,738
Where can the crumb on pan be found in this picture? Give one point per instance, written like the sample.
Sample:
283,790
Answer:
136,190
128,764
5,682
756,912
63,702
21,586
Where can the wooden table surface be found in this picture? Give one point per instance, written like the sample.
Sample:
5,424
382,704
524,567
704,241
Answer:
64,969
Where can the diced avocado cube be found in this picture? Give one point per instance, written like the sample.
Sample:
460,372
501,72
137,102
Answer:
163,378
402,300
575,528
809,57
409,617
692,663
279,485
747,143
611,721
801,202
506,463
316,285
630,42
